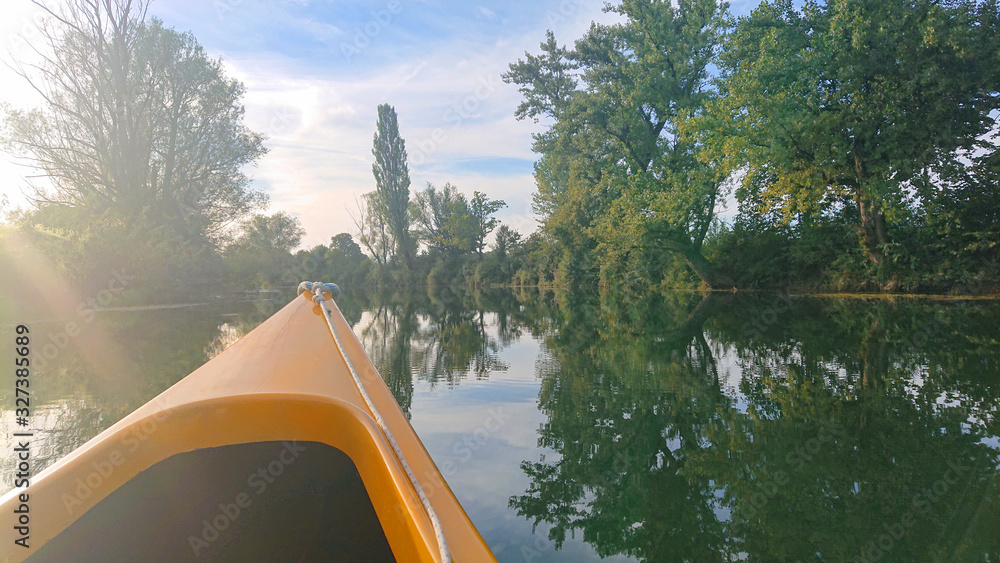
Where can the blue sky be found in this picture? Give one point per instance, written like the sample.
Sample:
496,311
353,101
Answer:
315,72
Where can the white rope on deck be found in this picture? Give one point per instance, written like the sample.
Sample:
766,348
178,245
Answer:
317,289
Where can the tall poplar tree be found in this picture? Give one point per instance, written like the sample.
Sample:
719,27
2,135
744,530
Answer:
392,181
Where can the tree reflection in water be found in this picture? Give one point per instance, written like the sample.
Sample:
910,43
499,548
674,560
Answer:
437,336
725,428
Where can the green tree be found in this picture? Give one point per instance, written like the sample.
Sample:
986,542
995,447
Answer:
449,222
343,261
481,209
617,182
261,252
374,232
507,249
507,240
444,220
844,103
138,121
345,243
392,180
280,232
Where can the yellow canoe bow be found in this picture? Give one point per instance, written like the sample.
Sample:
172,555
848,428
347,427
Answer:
268,452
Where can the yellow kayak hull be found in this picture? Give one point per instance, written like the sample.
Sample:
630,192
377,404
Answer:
283,385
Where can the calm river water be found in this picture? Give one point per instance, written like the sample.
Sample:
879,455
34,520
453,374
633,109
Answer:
681,427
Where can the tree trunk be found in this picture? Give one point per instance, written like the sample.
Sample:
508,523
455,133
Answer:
701,266
873,235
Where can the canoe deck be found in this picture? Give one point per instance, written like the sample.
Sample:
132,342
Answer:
284,381
309,504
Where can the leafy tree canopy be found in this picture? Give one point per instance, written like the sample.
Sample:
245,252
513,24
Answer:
262,233
845,103
615,174
136,119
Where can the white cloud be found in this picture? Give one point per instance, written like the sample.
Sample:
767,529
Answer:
320,134
323,32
